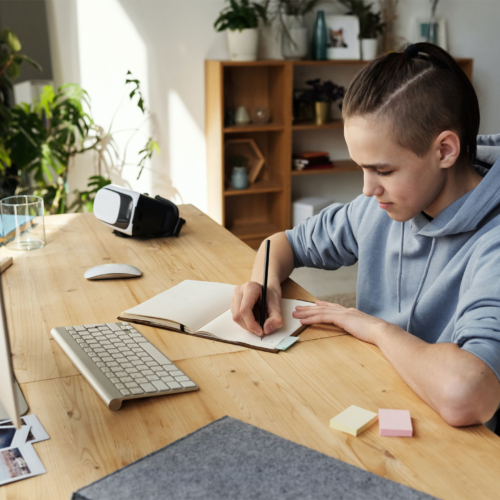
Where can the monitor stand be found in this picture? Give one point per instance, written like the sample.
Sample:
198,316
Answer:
21,404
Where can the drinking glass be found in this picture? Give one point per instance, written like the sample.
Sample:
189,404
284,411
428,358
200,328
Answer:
23,226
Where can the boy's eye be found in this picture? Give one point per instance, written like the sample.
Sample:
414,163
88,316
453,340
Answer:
383,173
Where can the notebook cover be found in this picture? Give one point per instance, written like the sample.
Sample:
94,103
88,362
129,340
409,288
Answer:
229,459
156,325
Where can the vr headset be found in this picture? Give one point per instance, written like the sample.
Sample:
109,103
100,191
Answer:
133,214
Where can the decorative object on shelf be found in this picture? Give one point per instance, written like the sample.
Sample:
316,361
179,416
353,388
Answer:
343,37
239,178
269,38
422,28
287,17
388,9
432,29
303,109
247,148
320,37
229,118
241,20
241,116
323,95
260,115
370,26
311,160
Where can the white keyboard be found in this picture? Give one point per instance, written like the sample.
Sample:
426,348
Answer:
120,363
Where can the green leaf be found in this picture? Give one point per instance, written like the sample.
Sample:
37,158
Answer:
11,40
22,57
46,101
14,71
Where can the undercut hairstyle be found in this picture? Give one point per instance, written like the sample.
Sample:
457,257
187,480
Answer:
422,92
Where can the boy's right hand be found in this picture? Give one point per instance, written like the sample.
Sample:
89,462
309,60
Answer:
246,302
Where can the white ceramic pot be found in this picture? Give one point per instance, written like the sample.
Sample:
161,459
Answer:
295,45
369,48
243,44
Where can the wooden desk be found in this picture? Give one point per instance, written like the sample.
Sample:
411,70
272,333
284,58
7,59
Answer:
293,394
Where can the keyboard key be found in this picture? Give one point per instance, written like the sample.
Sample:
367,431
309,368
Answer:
113,351
135,376
174,385
182,379
168,379
105,369
125,392
136,390
112,363
141,340
79,328
143,354
113,326
157,368
161,386
127,365
133,358
122,347
131,384
93,330
100,337
129,341
115,380
87,337
147,358
142,380
142,367
100,364
80,341
88,349
186,385
151,364
152,377
126,379
135,363
127,353
147,372
121,374
119,385
107,358
135,335
125,323
99,349
132,370
176,373
162,373
149,387
109,374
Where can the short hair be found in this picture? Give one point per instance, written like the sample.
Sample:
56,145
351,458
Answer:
422,91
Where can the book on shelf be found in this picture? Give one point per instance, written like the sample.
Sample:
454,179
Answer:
310,160
203,309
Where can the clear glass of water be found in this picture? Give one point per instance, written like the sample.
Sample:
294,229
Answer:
23,226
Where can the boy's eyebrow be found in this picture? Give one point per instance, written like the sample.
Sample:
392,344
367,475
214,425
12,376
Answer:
375,165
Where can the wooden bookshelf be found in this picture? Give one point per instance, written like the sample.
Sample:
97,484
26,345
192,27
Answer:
265,207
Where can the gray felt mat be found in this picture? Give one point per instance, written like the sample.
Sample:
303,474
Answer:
229,459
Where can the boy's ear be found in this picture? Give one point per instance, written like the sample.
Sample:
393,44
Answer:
447,147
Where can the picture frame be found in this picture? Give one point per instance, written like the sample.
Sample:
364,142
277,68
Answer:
421,26
343,37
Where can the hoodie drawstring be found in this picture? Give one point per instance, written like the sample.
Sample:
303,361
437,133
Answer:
400,270
427,265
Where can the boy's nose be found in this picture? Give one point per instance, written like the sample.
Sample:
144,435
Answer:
371,187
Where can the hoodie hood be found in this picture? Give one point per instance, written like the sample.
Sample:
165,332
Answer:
470,211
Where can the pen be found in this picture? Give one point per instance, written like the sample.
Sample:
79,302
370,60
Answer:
264,290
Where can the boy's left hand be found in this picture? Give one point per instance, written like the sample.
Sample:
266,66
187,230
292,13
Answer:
359,324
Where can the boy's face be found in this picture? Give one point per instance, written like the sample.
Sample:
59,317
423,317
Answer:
403,183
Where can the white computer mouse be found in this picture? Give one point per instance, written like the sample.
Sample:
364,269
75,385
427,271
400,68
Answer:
112,271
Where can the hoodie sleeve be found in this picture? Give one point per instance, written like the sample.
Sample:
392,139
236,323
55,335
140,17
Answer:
477,326
329,240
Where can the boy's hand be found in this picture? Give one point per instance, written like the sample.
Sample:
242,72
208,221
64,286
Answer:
246,306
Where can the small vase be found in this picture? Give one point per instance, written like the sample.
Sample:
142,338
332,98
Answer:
322,112
369,48
241,116
243,44
294,46
239,178
269,43
320,37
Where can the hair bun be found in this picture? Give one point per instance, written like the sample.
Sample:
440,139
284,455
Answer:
411,51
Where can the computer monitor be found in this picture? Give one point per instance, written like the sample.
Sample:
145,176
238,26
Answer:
9,393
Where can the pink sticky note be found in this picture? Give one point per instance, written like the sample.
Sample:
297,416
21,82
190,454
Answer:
395,423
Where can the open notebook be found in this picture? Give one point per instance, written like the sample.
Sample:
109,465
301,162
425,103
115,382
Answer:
203,309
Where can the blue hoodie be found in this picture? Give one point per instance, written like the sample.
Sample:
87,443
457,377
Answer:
438,279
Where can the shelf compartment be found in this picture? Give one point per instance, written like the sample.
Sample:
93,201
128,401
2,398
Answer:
339,167
264,186
337,124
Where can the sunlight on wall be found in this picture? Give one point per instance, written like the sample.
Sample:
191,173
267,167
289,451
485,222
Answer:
187,153
109,46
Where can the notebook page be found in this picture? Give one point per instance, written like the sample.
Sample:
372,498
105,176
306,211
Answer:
190,303
225,328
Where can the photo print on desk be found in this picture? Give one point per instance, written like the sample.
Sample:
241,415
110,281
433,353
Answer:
10,436
19,462
36,433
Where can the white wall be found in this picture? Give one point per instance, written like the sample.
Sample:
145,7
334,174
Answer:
178,36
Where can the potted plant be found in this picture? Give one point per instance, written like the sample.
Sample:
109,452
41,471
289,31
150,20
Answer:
323,95
241,20
370,26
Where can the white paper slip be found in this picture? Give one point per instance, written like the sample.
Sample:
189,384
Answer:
36,431
19,462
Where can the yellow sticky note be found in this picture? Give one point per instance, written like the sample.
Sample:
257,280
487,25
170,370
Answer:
354,420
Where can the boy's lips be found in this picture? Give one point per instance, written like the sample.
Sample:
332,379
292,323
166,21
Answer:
385,205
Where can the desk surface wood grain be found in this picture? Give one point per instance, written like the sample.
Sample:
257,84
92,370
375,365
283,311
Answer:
293,394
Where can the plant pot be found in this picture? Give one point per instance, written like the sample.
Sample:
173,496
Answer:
369,48
294,46
243,44
322,111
